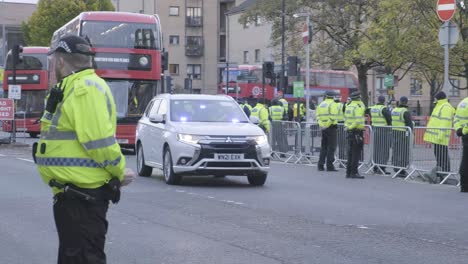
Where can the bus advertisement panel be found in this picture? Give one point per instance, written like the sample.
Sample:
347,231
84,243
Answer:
32,75
128,50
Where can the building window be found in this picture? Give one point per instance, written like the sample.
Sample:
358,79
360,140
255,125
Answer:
379,83
246,57
416,87
194,16
194,71
454,92
258,20
257,55
174,69
173,40
174,11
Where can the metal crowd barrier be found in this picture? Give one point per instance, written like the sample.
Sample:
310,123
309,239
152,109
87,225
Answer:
400,149
392,148
284,140
442,160
310,142
341,155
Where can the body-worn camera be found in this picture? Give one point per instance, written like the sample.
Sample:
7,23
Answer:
55,97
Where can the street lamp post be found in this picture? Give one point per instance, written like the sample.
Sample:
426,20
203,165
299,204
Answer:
307,84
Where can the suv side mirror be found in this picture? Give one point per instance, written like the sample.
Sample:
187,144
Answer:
157,119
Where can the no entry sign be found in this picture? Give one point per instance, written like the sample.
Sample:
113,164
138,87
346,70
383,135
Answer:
446,9
6,109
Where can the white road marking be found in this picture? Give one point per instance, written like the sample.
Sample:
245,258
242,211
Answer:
28,160
180,191
1,155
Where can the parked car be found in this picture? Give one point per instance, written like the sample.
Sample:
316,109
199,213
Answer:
187,135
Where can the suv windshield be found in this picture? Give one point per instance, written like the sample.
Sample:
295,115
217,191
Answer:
206,111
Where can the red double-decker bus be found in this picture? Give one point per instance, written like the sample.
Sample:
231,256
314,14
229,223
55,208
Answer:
247,80
128,49
32,75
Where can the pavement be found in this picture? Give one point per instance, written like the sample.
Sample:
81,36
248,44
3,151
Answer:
299,216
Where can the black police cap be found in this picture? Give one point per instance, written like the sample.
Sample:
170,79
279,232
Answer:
355,95
72,44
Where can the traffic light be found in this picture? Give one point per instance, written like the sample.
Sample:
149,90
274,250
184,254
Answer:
169,84
16,52
293,62
164,60
310,34
269,69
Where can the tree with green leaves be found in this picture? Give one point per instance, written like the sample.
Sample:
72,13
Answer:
339,30
52,14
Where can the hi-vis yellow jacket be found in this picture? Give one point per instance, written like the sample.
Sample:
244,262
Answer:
77,143
442,117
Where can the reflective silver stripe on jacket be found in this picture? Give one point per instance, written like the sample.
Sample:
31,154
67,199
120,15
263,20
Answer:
103,91
76,162
100,143
59,135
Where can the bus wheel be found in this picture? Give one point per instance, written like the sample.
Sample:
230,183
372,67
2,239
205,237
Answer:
33,134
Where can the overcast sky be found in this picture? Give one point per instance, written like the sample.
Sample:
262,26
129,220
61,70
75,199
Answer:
21,1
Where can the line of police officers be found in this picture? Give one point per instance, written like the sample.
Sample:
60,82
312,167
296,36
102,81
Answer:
332,112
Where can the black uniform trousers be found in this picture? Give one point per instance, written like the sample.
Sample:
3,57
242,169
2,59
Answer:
355,150
401,147
81,227
464,165
328,146
442,157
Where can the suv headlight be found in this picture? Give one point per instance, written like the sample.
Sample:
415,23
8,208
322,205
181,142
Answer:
189,139
260,140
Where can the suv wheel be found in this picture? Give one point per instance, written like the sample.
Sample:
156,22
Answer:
169,176
142,169
257,179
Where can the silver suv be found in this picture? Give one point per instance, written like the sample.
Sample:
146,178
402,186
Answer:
186,135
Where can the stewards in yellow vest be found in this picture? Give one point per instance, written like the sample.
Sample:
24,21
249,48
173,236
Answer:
439,131
283,101
354,124
461,125
381,116
327,117
276,111
279,141
77,151
401,118
260,113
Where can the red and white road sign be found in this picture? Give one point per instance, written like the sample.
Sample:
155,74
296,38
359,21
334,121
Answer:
6,109
446,9
305,34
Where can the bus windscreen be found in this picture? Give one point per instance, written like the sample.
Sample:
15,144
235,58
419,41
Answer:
29,61
112,34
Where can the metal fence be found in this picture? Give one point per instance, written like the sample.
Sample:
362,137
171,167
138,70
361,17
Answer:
392,149
401,150
443,159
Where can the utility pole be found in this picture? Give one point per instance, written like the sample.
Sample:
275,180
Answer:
283,10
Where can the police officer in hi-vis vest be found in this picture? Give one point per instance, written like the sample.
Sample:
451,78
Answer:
439,131
327,118
354,125
461,125
341,137
381,118
401,118
77,154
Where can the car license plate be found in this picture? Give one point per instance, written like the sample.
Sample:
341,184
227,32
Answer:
122,141
229,156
